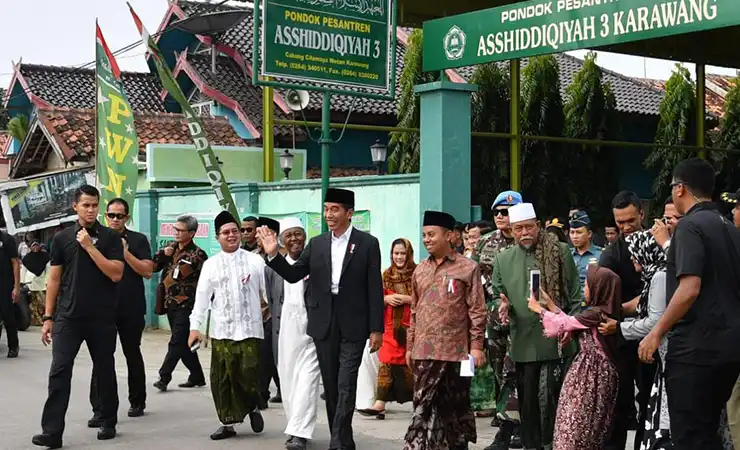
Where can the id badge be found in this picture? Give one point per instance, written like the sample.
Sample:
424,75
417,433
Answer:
176,273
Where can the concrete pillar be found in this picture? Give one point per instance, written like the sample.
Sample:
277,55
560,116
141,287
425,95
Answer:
444,178
146,223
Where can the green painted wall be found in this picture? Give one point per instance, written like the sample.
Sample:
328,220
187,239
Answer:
392,201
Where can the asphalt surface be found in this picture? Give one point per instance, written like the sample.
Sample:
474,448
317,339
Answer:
177,419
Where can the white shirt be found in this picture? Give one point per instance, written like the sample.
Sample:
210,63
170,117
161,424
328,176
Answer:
236,281
293,293
338,250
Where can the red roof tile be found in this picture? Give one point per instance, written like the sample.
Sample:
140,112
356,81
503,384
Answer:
74,129
715,100
4,138
338,172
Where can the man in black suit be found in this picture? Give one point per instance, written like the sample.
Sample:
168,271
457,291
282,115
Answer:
345,305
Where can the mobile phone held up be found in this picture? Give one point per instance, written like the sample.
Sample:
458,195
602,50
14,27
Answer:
195,347
534,284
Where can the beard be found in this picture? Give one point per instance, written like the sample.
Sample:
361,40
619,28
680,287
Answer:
527,245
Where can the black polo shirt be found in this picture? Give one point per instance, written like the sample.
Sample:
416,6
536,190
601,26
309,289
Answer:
8,252
131,297
707,245
618,259
85,292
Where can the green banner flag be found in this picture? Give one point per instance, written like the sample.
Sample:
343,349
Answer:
117,148
195,125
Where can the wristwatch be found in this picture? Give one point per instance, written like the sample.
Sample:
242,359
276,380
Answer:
45,318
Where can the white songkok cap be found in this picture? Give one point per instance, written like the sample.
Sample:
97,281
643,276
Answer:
521,212
290,222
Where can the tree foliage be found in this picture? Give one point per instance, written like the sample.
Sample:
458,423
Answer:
590,113
18,127
543,163
677,126
490,113
729,138
405,148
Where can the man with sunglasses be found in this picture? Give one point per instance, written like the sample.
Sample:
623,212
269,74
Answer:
180,263
130,310
497,335
249,234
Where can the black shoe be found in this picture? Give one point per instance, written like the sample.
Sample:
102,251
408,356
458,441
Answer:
516,439
95,422
256,421
296,443
503,437
136,411
13,353
105,433
277,399
223,433
47,440
189,384
161,385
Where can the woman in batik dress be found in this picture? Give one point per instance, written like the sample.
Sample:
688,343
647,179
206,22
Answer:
395,380
587,398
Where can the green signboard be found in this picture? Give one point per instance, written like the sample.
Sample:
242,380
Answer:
541,27
344,42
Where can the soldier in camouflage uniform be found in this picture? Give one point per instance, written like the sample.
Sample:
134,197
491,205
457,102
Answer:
497,335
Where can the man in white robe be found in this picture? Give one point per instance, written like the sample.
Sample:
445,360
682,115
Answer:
235,281
297,361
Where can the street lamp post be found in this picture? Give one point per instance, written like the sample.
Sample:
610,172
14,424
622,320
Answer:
378,152
286,162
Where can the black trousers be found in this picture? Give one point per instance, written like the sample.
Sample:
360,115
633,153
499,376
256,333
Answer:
7,314
178,349
268,368
339,362
632,373
696,397
130,329
538,388
67,337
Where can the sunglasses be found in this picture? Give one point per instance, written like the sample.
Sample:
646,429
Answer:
116,216
247,229
501,212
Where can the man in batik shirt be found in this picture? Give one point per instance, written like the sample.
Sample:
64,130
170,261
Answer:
494,386
448,320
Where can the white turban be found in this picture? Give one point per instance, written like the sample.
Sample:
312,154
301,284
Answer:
521,212
290,222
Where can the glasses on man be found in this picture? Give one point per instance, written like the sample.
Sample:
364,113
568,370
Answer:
180,230
501,212
247,229
116,216
233,231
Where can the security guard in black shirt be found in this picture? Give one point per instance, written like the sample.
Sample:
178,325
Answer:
86,264
130,321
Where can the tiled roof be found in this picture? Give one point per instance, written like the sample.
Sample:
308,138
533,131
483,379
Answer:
241,38
231,81
715,101
338,172
74,129
4,138
69,87
632,96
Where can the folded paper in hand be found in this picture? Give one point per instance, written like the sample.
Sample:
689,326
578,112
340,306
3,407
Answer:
467,367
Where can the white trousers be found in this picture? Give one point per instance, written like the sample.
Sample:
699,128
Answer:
298,367
367,379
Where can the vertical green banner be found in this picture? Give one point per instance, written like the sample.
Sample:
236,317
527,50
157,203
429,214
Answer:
195,125
117,147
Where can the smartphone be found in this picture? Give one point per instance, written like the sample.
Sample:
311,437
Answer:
195,347
534,283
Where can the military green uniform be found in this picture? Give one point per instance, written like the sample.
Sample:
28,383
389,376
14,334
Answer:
488,382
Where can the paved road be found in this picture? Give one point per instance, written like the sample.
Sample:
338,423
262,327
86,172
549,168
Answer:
178,419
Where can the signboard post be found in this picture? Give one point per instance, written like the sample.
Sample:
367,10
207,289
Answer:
540,27
339,43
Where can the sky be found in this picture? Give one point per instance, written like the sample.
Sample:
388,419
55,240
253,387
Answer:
61,32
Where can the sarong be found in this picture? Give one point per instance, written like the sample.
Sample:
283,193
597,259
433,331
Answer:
395,383
538,387
442,418
235,378
586,407
38,307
